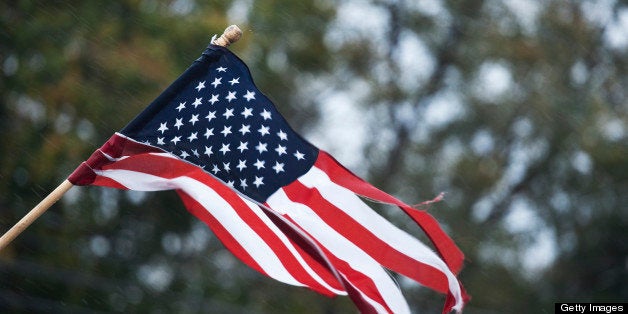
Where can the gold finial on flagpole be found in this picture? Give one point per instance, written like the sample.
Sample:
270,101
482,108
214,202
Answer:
228,37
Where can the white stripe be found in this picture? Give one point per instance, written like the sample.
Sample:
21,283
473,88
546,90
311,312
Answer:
258,211
160,184
341,248
169,155
376,305
138,181
398,239
109,157
218,207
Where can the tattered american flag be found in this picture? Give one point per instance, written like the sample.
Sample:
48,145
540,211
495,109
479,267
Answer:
282,206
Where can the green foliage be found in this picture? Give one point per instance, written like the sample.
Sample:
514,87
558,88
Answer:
518,113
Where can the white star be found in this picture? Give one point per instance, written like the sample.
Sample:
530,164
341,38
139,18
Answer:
226,130
231,96
228,113
211,115
176,139
209,132
200,86
280,150
215,169
243,146
265,114
282,135
194,119
241,165
184,155
249,95
197,102
224,149
261,147
299,155
192,136
195,153
214,99
178,123
181,106
208,151
247,112
230,183
278,167
235,81
217,81
162,128
258,181
225,165
263,130
160,141
245,129
243,184
259,164
221,69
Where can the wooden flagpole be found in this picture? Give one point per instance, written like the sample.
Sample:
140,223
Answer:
230,35
37,211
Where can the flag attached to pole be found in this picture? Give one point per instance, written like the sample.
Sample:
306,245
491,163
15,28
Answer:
278,203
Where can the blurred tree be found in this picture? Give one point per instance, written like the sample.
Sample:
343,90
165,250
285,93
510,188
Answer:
517,109
74,72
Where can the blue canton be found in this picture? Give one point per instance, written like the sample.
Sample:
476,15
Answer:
214,117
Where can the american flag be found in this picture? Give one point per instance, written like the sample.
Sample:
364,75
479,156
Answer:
278,203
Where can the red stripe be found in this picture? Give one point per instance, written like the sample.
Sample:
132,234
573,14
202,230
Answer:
116,147
119,146
354,294
268,236
366,240
354,281
364,284
167,168
307,249
107,182
223,234
446,247
170,168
